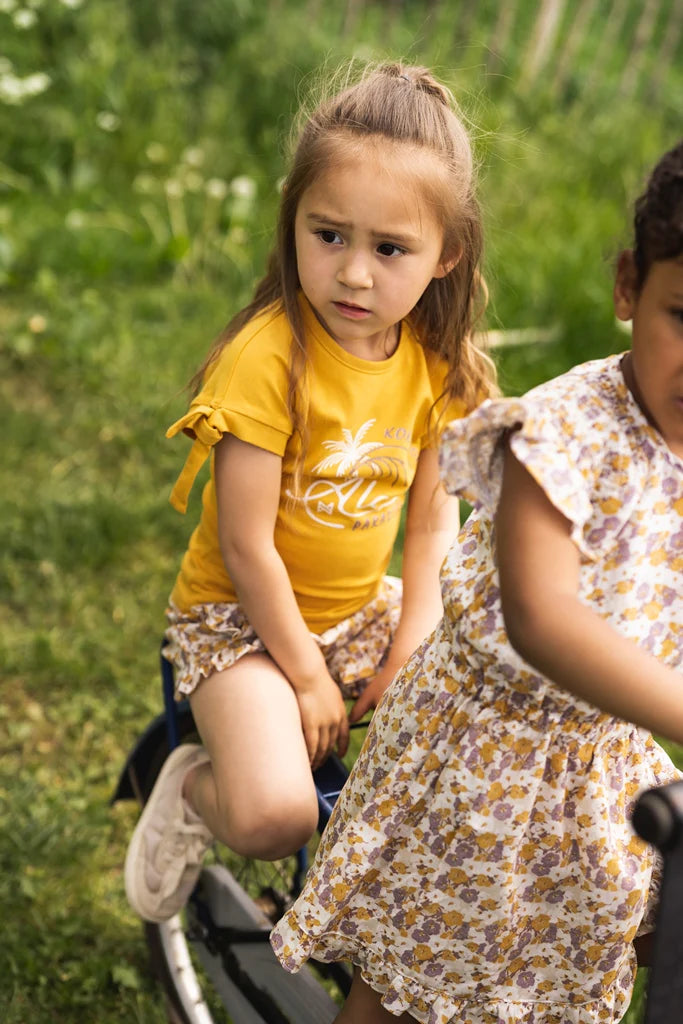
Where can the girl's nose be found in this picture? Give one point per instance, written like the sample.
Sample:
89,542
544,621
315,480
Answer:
354,271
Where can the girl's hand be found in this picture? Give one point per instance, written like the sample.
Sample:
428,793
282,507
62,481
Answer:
323,719
371,695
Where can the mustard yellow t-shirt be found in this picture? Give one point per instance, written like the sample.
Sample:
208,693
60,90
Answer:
367,422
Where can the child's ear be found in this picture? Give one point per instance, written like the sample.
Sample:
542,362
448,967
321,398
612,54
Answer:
625,286
447,263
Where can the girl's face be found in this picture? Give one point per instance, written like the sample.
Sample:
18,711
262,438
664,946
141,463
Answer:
367,247
654,367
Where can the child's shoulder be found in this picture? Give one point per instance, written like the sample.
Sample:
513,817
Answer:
588,393
268,328
599,381
263,340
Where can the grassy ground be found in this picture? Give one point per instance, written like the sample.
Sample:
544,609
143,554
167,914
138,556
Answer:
89,548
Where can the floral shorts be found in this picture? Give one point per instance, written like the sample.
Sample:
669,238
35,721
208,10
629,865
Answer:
211,637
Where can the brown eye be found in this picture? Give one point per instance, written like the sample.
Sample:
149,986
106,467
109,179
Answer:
389,249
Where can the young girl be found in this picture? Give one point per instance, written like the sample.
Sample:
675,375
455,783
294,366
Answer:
320,406
480,866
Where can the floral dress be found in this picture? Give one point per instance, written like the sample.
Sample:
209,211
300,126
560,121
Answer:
480,866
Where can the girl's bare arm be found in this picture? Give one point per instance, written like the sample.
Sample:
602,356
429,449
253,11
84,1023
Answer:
558,634
248,481
432,522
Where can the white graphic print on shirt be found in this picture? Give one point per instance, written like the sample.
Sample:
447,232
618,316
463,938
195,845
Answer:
362,465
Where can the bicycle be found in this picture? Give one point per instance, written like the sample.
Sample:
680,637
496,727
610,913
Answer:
658,818
215,958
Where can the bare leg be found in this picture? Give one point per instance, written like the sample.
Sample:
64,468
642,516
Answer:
363,1006
257,795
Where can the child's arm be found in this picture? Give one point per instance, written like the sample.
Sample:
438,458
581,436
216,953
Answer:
432,522
558,634
248,483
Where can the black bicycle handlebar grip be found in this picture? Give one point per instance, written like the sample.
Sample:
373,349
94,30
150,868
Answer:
658,815
658,818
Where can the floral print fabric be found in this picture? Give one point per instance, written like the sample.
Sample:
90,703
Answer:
211,637
480,866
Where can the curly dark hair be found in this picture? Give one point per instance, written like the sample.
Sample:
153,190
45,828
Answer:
658,221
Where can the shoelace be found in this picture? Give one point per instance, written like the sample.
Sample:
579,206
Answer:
185,849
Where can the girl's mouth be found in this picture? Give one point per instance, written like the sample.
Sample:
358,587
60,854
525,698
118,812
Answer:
349,310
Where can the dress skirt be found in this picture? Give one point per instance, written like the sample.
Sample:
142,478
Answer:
480,865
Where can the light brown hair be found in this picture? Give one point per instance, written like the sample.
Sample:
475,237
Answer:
401,103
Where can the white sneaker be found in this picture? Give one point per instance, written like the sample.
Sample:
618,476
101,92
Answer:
165,853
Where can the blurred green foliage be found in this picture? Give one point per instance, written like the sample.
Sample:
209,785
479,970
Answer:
143,146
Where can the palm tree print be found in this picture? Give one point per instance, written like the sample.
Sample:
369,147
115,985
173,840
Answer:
348,454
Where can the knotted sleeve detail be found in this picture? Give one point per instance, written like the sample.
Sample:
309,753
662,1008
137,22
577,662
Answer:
206,425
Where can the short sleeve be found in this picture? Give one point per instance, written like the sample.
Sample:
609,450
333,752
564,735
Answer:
566,455
245,395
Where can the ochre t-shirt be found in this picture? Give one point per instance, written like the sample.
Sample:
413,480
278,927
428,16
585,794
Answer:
367,423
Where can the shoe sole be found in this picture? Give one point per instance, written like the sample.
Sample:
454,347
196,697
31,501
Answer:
135,889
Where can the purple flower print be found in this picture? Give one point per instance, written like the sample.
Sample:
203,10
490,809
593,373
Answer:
469,895
502,811
434,969
526,979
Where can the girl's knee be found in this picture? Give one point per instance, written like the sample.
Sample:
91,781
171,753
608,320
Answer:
271,827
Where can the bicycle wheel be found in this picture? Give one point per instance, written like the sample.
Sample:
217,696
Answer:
213,959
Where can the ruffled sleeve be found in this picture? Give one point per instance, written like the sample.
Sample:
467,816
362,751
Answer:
575,459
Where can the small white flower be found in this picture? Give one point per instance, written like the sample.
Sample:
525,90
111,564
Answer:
36,83
192,181
194,156
7,6
107,121
24,18
72,4
156,153
243,187
216,189
75,220
174,188
15,90
11,89
145,184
